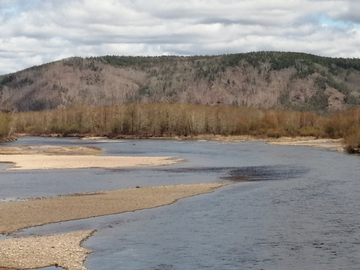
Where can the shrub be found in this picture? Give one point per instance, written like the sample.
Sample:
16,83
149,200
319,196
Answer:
275,133
352,140
311,131
5,127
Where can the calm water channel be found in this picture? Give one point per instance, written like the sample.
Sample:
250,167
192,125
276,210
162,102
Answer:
299,207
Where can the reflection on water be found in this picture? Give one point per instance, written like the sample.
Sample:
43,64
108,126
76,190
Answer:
306,217
261,173
250,173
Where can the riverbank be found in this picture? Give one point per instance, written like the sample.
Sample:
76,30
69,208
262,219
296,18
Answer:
22,214
209,137
311,141
335,144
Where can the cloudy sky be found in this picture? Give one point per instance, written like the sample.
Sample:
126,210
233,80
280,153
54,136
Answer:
33,32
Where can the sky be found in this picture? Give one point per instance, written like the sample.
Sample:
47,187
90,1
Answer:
34,32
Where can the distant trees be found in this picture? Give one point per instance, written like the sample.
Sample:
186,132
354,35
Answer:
186,120
163,119
278,60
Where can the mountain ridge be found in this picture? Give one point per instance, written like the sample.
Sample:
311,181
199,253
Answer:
266,80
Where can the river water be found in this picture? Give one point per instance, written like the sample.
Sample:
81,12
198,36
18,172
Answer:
288,207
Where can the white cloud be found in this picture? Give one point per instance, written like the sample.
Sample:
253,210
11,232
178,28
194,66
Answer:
38,31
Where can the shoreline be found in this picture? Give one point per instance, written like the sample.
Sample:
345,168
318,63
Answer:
243,138
36,212
335,144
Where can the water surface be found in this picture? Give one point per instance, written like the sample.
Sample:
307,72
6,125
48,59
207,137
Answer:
289,207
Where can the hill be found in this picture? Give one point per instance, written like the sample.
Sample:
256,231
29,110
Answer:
267,80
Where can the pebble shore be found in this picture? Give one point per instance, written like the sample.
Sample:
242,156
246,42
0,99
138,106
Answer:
61,250
42,251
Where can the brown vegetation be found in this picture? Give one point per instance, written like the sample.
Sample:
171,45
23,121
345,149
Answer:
162,119
188,120
352,140
350,129
5,126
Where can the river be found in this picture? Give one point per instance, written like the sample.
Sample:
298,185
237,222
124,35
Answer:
288,207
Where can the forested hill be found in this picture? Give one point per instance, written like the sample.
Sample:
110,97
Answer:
269,80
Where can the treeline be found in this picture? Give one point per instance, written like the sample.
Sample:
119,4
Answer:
161,119
188,120
282,60
277,60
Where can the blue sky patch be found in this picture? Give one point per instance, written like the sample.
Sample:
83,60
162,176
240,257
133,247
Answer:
326,20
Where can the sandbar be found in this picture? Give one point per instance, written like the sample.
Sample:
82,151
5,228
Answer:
22,214
50,150
47,162
30,253
47,157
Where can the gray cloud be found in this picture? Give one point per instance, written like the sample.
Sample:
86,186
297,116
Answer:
38,31
349,13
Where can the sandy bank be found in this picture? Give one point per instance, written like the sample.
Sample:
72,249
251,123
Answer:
22,214
44,162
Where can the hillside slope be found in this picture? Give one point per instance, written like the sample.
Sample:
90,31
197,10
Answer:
266,80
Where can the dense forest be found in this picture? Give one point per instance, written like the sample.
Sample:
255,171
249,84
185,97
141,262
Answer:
187,121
